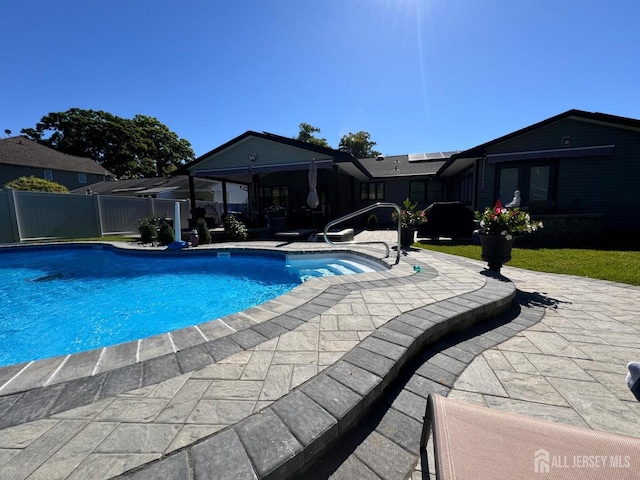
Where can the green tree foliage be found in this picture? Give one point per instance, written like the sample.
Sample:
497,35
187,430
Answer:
129,148
306,135
35,184
359,145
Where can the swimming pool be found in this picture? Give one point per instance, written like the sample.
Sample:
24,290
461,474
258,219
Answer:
62,299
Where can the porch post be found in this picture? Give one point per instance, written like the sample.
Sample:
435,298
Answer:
192,198
255,184
225,206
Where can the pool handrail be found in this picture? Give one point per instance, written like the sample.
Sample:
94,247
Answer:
366,209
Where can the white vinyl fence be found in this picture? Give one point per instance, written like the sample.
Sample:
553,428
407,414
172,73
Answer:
39,216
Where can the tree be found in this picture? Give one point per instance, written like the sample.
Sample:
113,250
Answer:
129,148
358,144
306,135
35,184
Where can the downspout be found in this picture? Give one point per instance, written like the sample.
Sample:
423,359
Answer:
474,197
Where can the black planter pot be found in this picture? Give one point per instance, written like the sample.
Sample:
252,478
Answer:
407,236
496,250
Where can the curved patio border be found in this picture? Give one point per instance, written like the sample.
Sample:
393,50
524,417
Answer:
282,439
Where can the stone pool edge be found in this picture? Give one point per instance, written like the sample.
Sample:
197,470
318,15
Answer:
287,436
34,390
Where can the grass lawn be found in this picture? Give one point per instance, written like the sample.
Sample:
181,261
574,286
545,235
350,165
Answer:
614,265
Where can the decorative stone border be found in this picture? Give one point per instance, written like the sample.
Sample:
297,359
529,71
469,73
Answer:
290,434
38,389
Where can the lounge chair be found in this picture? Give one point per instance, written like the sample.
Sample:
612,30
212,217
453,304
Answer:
474,442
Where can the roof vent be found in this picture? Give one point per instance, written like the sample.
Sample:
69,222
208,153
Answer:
380,157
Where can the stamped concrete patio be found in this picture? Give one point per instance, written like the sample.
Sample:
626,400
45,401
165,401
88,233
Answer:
330,380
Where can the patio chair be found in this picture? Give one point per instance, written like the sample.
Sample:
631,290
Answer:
474,442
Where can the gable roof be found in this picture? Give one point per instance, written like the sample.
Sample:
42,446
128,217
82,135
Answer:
232,160
23,151
582,115
405,165
337,154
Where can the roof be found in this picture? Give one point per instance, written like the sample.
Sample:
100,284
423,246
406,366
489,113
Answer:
405,165
25,152
146,186
594,117
336,154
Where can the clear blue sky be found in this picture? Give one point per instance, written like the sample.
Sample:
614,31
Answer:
418,75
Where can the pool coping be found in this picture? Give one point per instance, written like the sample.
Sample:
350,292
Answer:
37,389
286,437
278,441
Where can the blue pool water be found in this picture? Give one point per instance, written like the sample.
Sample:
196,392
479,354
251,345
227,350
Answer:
61,300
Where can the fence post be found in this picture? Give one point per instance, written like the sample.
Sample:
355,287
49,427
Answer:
13,215
98,209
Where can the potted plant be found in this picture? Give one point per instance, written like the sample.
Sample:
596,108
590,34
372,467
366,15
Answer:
276,217
499,226
410,219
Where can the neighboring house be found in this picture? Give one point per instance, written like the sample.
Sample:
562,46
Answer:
22,157
575,164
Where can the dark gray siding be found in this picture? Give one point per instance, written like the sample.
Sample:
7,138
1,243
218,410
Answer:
602,184
63,177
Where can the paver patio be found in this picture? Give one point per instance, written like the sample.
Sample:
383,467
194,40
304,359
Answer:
344,338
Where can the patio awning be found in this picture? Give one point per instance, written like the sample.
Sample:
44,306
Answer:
251,169
555,153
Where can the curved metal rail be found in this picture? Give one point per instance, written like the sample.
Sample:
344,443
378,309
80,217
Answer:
360,212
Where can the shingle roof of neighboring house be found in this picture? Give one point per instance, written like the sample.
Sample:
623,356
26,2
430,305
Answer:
25,152
409,165
145,186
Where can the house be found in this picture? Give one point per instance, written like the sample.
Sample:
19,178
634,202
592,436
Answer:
22,157
579,170
275,169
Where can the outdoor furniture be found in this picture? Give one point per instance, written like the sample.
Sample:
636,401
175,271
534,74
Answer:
345,235
302,234
475,442
447,219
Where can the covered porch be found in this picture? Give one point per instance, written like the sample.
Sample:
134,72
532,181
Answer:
275,170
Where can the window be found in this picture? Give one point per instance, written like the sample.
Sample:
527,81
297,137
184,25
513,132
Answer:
465,187
278,195
425,191
48,175
533,180
372,191
417,191
82,178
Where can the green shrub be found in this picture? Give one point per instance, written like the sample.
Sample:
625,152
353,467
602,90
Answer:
235,229
372,222
35,184
203,232
148,233
166,235
148,229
